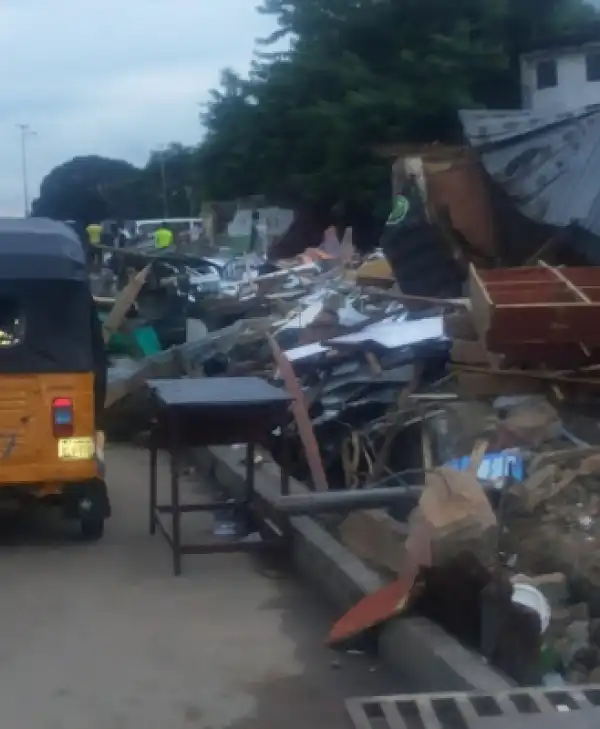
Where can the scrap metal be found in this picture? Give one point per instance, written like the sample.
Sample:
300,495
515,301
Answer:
546,161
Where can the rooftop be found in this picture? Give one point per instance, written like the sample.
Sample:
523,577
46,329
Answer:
565,42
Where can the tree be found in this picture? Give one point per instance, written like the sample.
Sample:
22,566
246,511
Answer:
82,189
94,188
359,73
301,127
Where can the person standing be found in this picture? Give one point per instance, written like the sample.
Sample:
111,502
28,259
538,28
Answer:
94,235
163,237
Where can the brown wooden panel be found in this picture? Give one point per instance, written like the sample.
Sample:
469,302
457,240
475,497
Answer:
515,275
583,276
542,294
563,356
508,309
553,325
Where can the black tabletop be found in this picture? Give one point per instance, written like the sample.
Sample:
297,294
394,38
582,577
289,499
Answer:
214,392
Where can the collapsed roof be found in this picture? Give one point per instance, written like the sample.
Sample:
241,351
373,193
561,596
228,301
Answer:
547,162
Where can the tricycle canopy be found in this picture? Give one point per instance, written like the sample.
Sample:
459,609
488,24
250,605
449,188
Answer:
38,248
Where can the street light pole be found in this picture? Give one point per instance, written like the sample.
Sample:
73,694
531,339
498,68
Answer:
26,133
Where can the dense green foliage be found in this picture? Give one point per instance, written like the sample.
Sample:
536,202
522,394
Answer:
301,127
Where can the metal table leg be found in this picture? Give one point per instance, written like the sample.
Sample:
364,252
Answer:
175,464
285,484
153,482
250,468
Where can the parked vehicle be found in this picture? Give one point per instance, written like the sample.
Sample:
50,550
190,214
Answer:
52,373
187,226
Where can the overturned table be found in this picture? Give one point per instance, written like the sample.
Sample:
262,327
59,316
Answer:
203,412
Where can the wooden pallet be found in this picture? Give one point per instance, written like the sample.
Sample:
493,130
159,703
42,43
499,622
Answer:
535,708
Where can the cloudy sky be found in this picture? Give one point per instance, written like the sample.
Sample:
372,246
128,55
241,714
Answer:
110,77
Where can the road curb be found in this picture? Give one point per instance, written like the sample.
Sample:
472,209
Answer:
414,647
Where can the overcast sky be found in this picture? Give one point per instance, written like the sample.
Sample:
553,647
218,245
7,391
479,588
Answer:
111,77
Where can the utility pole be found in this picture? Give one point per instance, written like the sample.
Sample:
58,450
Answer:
26,133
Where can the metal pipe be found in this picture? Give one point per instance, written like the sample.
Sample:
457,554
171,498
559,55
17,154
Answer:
342,501
324,502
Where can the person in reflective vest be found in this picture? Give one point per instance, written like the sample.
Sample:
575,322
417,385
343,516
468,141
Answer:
94,239
163,237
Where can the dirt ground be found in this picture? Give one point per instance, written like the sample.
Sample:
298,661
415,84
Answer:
104,637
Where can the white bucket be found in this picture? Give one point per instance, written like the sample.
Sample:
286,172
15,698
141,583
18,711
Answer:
531,597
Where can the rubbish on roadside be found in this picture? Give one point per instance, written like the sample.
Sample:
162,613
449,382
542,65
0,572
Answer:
465,402
496,468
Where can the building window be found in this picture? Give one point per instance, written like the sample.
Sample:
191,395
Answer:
592,66
547,76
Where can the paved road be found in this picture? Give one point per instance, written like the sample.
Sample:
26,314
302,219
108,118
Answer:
104,637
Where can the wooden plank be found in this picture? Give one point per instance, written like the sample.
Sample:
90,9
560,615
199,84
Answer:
529,375
481,304
123,303
300,411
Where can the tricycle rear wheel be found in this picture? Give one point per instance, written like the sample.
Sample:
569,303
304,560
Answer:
92,529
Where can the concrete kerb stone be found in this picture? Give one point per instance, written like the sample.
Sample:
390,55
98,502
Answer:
414,647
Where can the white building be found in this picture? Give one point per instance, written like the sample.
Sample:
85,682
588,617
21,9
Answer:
561,78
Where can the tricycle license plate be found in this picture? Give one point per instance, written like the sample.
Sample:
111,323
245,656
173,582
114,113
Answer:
76,449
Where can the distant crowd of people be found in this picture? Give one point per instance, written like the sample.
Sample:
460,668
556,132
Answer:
113,234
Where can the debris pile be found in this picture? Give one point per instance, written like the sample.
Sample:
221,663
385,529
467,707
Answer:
399,380
552,530
516,372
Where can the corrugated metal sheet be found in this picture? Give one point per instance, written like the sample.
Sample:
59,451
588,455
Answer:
548,163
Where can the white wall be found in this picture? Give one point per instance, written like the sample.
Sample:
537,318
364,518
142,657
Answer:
573,89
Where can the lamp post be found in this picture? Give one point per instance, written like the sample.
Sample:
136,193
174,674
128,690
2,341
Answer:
26,134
